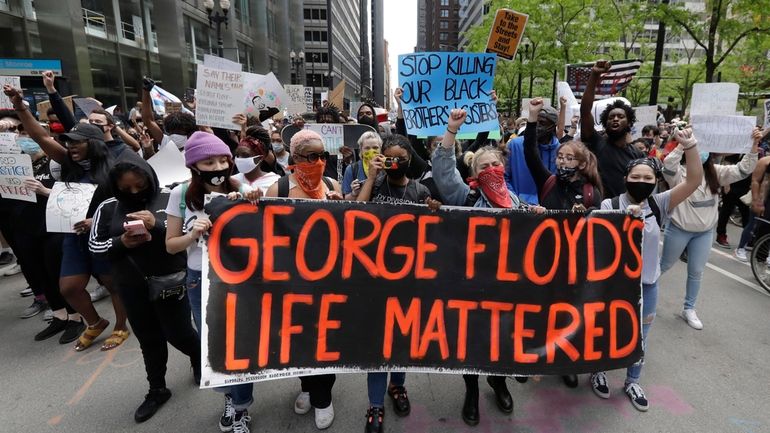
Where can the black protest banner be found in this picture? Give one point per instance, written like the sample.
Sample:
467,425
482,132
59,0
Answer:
304,287
435,83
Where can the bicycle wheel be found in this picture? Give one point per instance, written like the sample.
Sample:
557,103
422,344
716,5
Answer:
760,256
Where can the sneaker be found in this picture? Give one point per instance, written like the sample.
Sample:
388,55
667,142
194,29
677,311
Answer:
599,384
302,403
72,331
635,392
11,270
47,315
740,254
33,310
56,326
228,415
6,258
26,292
689,316
152,402
374,420
324,417
99,293
722,241
241,423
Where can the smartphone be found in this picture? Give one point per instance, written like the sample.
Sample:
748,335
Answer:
189,94
135,227
390,163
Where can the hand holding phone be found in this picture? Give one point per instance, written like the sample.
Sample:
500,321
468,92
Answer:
135,228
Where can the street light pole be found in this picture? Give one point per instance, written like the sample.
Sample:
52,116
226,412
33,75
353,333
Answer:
218,19
296,62
521,66
312,73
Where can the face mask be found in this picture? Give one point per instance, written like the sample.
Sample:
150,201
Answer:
132,200
703,157
277,147
565,173
215,178
399,171
544,134
491,180
371,121
178,139
85,164
28,145
308,176
639,191
246,165
367,157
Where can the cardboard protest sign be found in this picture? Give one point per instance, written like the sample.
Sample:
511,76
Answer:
219,97
337,96
14,82
172,107
87,105
766,123
506,32
292,288
645,115
169,165
714,98
296,94
42,107
335,135
8,143
67,206
217,62
723,134
261,92
436,83
309,98
14,169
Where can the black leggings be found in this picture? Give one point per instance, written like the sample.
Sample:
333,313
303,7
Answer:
320,389
40,261
729,201
155,324
472,382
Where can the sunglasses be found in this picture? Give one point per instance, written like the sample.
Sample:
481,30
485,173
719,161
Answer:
313,156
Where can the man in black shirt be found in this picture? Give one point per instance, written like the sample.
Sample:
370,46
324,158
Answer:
613,149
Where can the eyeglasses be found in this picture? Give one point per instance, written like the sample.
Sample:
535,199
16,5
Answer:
313,156
565,158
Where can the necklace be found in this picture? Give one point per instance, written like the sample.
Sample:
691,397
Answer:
390,193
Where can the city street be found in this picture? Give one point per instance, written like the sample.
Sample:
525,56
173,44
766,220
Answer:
714,380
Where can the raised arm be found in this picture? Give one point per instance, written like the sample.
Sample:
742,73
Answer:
562,117
127,138
587,101
63,112
535,164
694,168
148,116
53,149
448,180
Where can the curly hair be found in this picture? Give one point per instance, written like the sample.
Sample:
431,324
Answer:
180,123
630,114
330,111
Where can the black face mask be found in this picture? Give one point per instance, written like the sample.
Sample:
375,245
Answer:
133,200
565,173
371,121
398,172
639,191
544,134
215,178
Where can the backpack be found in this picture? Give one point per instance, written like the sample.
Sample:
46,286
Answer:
283,185
182,203
651,201
588,191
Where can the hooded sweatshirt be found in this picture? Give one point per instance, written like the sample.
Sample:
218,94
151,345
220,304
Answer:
517,175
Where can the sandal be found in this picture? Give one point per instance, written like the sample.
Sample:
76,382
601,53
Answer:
88,336
115,339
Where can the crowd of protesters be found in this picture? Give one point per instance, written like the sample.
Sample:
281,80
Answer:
539,163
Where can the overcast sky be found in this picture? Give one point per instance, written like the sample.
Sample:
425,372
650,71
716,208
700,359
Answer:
400,32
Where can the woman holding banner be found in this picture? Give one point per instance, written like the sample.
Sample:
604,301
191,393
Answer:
640,180
693,222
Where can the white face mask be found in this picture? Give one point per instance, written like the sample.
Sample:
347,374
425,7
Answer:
277,147
247,165
178,139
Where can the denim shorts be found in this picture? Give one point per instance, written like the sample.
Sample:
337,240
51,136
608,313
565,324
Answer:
77,260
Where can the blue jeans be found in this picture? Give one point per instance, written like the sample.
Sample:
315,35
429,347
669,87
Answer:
649,307
748,231
241,394
698,245
377,384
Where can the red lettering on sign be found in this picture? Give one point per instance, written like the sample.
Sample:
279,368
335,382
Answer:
324,325
407,323
287,329
271,241
214,245
472,247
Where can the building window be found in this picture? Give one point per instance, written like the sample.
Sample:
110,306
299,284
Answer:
444,25
307,14
444,13
444,36
323,14
444,2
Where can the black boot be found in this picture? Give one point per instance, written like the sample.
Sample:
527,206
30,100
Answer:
571,380
374,420
471,407
502,396
152,402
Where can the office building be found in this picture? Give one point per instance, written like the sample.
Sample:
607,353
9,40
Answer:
472,13
438,24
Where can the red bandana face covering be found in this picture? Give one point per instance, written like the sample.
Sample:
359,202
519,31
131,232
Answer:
308,176
491,180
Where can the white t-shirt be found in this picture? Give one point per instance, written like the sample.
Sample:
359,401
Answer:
283,160
263,183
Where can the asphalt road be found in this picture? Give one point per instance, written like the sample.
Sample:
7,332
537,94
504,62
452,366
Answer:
714,380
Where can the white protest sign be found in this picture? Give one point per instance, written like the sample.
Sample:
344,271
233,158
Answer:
723,134
169,165
309,98
563,89
217,62
8,143
87,105
714,98
13,170
766,123
332,134
14,82
296,94
645,115
67,206
219,97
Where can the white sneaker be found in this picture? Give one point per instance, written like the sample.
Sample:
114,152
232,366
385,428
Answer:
324,417
302,403
740,254
99,293
691,318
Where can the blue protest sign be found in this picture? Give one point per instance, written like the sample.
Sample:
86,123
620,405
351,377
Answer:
435,83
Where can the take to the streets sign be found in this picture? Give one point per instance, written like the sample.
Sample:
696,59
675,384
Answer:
506,32
436,83
301,287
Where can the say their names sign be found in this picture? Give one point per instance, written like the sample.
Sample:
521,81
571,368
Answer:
219,97
723,134
14,169
436,83
293,287
506,32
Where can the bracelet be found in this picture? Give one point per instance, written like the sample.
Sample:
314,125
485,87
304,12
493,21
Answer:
688,148
450,131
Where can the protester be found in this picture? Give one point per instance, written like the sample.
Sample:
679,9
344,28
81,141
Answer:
356,174
731,198
255,160
177,127
760,202
307,180
613,151
136,256
279,149
640,179
692,223
367,116
85,159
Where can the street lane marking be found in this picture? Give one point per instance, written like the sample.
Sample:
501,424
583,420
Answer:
730,256
732,276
